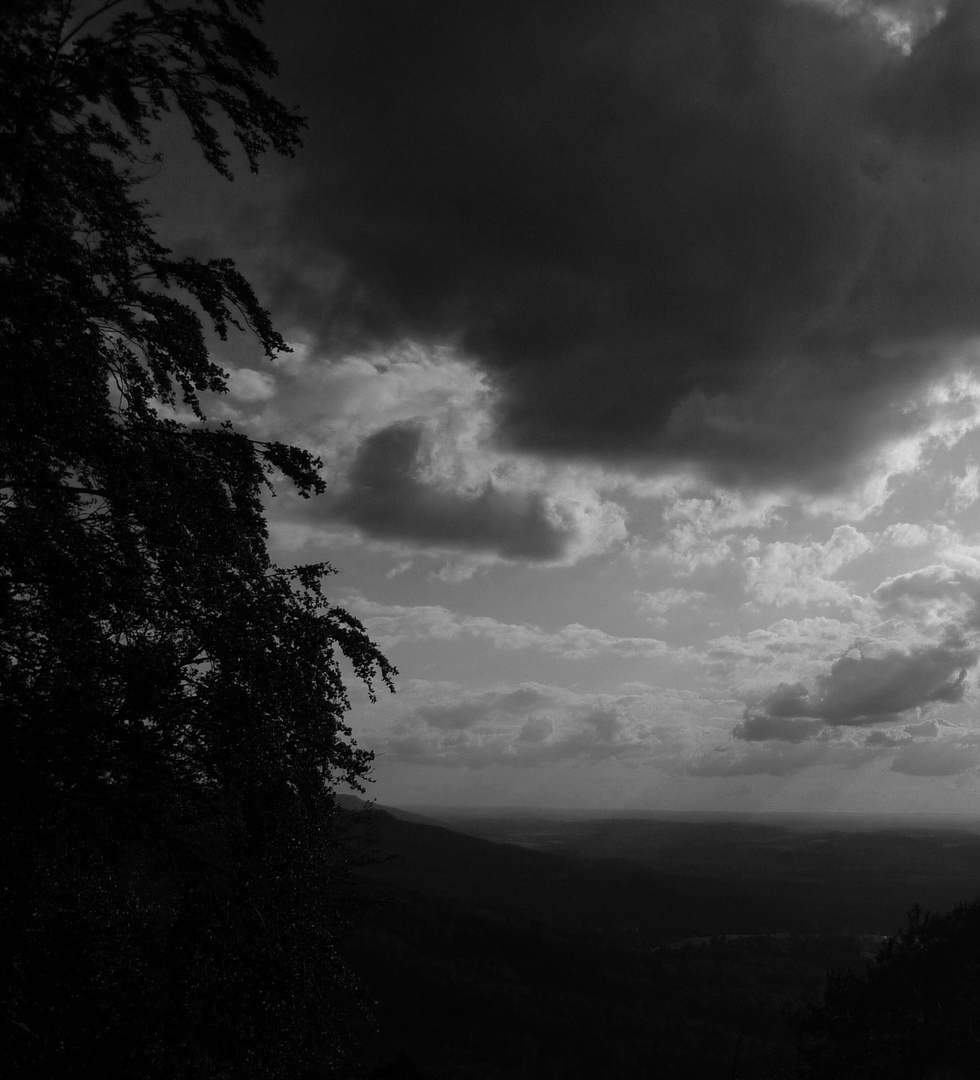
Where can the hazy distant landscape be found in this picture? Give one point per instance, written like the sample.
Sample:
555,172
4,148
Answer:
626,947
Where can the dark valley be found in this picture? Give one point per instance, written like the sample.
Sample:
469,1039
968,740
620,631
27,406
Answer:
546,946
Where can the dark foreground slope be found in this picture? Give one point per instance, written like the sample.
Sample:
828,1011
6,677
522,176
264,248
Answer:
496,960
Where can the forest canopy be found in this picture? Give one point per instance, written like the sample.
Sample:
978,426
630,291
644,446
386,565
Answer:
173,702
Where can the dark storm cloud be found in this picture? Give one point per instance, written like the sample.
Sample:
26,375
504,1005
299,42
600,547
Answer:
862,690
735,233
387,499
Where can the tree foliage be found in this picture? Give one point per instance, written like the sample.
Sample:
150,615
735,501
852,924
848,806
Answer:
173,703
914,1012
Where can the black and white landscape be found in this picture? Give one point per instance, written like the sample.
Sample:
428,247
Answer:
569,404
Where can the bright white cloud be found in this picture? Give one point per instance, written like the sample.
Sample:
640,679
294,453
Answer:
802,573
905,534
785,646
966,489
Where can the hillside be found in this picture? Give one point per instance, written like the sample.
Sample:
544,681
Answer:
660,881
498,960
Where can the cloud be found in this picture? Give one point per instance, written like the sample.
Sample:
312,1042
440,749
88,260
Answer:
899,23
908,650
933,97
468,711
906,534
660,602
578,744
928,728
936,758
930,752
529,726
392,624
863,689
533,725
406,440
536,730
966,489
249,385
454,717
785,646
740,238
788,573
780,758
761,728
885,738
934,596
387,500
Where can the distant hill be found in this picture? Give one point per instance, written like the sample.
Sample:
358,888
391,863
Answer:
796,820
357,804
621,949
495,960
656,881
615,949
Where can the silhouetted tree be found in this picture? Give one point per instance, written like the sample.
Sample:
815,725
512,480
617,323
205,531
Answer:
914,1013
172,703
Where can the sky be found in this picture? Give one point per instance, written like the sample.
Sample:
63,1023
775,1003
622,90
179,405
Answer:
640,342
